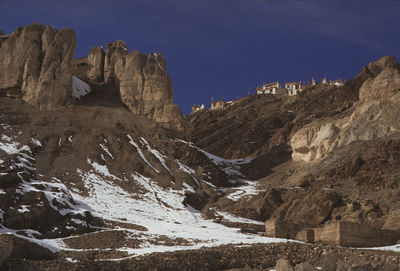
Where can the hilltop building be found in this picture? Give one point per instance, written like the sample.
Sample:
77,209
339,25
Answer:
338,82
270,88
313,82
218,104
293,88
196,108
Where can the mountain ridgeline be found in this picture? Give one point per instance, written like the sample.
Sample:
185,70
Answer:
99,168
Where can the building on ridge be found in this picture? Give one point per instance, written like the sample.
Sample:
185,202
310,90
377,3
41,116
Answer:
337,82
270,88
218,104
293,88
197,108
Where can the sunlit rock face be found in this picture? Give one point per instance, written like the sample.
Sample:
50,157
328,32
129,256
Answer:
36,59
376,115
144,84
37,62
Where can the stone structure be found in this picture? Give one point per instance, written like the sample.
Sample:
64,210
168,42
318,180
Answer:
306,235
350,234
218,104
338,233
313,82
280,228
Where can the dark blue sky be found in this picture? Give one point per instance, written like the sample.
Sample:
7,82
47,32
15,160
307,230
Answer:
219,48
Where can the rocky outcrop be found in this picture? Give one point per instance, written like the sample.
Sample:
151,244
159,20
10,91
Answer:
143,82
12,247
375,116
36,59
96,64
37,62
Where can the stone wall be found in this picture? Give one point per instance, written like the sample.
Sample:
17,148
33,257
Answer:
280,228
306,235
350,234
329,233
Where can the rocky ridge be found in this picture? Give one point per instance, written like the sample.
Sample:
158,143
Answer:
375,115
38,64
36,60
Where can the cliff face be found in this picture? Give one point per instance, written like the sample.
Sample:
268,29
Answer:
143,82
375,116
36,59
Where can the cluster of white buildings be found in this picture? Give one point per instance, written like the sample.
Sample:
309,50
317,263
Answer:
293,88
290,88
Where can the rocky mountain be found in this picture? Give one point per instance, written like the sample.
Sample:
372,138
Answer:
38,62
99,170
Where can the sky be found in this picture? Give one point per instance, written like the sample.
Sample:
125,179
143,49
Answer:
218,49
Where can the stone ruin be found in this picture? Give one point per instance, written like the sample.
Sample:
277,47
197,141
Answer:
337,233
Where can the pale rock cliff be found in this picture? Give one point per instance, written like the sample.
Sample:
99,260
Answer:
142,80
96,64
37,60
376,115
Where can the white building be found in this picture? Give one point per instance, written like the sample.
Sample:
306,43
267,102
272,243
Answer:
293,88
270,88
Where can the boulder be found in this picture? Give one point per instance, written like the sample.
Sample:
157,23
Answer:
361,267
18,247
306,235
341,266
388,267
283,265
305,267
36,59
6,248
313,208
329,263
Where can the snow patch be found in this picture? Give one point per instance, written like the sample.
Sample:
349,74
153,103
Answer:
79,88
161,157
141,153
24,209
104,147
8,145
102,169
232,218
36,142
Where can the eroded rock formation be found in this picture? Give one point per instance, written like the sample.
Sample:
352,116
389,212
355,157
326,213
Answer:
375,116
143,82
37,60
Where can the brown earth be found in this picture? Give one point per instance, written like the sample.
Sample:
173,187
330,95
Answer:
257,256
